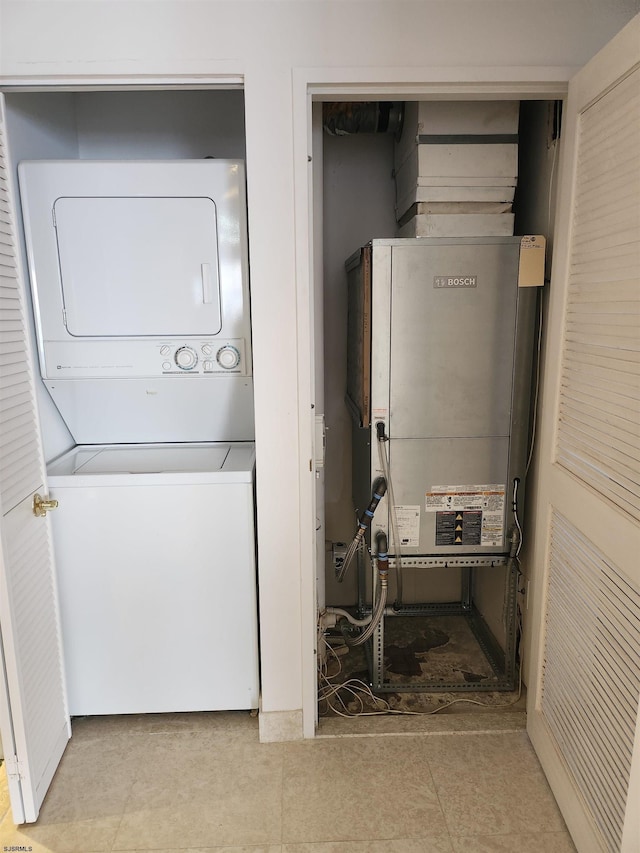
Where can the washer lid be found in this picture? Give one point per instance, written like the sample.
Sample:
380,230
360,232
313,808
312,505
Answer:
136,266
136,459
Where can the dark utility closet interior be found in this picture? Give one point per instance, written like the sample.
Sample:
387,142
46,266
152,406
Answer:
365,151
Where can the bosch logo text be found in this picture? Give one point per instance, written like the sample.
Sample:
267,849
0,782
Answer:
455,281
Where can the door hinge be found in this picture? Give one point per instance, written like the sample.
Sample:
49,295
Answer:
320,442
14,767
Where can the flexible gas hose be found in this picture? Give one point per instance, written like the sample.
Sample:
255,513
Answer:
384,464
375,619
379,490
382,564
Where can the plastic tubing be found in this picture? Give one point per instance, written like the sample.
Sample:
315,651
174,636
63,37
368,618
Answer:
337,611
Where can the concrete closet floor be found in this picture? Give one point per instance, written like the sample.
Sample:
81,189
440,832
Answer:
460,783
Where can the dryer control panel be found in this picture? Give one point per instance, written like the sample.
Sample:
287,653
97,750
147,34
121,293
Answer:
204,357
100,359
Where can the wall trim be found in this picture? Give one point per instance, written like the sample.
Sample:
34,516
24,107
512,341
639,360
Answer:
125,82
279,726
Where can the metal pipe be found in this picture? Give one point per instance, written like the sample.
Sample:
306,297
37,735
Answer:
346,118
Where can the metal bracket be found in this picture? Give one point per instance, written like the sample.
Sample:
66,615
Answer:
14,767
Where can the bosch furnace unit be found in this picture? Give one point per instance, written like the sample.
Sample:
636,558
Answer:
439,384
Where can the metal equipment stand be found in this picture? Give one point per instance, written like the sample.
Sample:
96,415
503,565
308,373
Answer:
501,661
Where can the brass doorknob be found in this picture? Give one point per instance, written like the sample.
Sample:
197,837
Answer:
41,506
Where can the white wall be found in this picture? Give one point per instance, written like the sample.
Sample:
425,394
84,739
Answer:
169,36
265,42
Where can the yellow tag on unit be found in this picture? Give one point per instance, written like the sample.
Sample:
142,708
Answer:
531,269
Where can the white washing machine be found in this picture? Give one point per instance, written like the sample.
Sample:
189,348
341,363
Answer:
155,558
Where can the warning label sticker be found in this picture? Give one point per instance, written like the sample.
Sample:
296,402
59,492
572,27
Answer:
468,514
408,519
459,528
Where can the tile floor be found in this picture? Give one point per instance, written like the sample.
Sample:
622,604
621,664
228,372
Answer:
203,782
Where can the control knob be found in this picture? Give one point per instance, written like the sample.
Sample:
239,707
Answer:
228,357
186,358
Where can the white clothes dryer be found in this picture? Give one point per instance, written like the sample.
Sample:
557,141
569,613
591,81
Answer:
140,283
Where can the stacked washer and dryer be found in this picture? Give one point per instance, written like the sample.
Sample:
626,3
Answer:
139,278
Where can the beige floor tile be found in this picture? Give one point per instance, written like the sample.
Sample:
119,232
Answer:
537,842
173,775
107,752
163,746
86,792
91,783
465,756
358,789
61,837
202,784
4,793
492,784
441,844
184,796
83,807
260,848
223,822
522,804
437,845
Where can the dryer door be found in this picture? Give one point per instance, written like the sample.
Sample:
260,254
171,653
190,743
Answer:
138,266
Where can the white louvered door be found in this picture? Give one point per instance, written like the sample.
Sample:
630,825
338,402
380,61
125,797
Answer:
584,684
33,716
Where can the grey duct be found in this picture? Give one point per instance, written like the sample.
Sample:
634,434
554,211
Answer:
344,118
